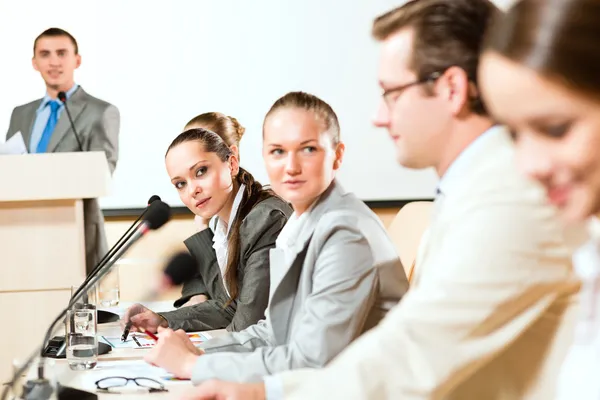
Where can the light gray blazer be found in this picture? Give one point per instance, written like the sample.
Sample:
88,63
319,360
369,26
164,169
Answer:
344,278
97,123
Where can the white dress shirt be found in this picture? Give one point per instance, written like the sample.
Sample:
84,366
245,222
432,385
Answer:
288,235
463,162
580,374
221,234
285,241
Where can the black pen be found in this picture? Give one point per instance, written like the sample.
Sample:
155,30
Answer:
136,341
126,331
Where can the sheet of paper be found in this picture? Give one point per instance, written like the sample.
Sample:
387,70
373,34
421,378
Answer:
142,341
14,145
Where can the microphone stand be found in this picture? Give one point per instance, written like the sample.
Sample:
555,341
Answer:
107,316
40,388
62,96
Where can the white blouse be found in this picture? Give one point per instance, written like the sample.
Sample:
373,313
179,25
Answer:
580,373
221,234
289,234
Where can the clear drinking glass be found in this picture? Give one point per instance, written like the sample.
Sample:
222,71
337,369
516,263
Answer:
91,297
80,333
108,289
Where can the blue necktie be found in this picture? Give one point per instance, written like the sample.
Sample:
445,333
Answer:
50,125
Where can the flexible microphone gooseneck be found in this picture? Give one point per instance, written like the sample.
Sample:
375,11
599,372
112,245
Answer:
107,316
62,96
40,389
126,236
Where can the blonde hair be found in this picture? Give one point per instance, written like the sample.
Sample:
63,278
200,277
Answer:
228,128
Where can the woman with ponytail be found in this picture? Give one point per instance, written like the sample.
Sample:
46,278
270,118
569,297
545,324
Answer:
238,221
334,271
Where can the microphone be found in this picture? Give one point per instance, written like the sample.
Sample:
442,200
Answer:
62,96
181,268
158,214
106,316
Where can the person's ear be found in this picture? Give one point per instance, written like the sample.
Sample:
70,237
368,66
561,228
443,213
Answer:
78,60
339,155
235,150
234,165
34,64
456,89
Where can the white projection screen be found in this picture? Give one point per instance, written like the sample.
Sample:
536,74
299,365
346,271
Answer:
162,63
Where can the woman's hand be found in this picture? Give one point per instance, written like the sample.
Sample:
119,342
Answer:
175,352
142,317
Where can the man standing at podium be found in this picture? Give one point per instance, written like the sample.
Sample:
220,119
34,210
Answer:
45,126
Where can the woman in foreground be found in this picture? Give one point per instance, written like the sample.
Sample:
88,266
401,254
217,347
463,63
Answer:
540,75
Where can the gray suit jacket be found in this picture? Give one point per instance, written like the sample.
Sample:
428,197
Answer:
97,123
258,233
344,277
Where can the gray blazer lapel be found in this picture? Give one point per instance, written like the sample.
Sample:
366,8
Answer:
284,283
298,243
29,119
76,106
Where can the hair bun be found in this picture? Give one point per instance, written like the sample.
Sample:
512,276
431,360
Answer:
239,129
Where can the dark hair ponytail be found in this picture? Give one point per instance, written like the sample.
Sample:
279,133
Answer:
254,193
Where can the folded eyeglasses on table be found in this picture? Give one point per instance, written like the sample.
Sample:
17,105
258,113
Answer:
119,384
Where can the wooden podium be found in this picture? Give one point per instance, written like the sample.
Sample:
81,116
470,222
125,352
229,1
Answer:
42,247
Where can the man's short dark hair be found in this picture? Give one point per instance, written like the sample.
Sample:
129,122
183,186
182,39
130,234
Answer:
54,32
446,33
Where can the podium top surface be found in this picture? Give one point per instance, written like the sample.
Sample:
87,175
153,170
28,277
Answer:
54,176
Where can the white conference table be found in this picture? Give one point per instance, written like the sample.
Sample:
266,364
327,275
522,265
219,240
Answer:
118,359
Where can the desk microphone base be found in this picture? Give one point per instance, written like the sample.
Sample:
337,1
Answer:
41,389
106,317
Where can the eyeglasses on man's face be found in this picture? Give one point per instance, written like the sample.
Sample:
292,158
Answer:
114,383
388,95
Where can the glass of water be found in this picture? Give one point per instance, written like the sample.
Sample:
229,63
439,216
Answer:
91,297
80,333
108,289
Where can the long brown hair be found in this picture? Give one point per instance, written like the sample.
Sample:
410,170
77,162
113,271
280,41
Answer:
254,193
556,38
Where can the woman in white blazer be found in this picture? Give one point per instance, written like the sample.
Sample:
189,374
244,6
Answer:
334,271
540,75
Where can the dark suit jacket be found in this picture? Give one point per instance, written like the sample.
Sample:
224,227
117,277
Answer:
258,233
97,123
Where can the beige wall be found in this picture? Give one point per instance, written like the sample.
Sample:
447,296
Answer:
141,264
